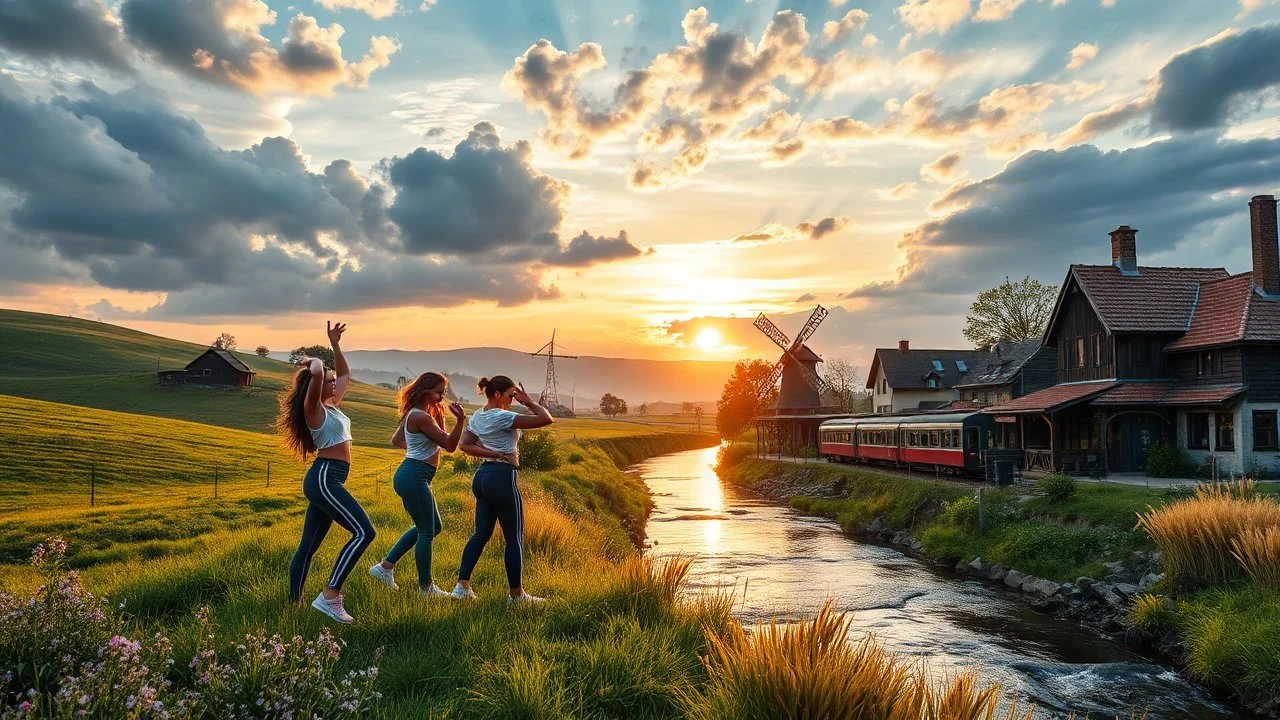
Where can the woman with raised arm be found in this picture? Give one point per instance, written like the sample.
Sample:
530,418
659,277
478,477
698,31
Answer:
421,434
310,421
493,435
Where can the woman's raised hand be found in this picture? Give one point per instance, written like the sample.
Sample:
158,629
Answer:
334,332
459,412
521,396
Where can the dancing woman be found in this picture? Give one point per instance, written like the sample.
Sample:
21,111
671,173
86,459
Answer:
494,434
310,421
421,434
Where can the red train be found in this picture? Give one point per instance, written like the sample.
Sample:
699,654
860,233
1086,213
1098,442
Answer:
950,442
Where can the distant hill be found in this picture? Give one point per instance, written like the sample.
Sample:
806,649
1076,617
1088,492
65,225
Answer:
636,381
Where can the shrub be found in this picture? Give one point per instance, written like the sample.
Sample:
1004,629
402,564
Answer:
1258,552
1168,461
997,506
1198,536
575,458
731,454
461,464
538,451
1054,551
1058,488
1148,612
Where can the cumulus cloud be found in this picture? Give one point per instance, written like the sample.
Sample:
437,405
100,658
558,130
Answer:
933,16
1204,85
944,168
376,9
1046,209
996,10
852,22
1080,55
221,41
1104,121
683,102
901,191
84,30
124,191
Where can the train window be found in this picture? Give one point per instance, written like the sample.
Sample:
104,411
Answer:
955,438
946,439
934,439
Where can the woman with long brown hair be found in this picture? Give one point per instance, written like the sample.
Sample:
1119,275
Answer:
421,434
310,421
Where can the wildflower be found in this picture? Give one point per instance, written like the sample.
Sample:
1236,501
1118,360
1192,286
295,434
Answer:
25,706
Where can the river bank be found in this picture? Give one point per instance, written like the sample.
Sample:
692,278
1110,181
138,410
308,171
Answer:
1078,558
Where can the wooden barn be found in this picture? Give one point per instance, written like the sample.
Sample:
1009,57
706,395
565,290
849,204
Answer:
214,368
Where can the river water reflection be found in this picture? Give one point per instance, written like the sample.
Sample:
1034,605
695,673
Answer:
779,562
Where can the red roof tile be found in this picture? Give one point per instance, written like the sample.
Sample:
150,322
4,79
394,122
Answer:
1157,299
1053,398
1203,395
1166,394
1230,311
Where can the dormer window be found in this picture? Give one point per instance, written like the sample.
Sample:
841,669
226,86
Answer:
937,365
1207,363
961,366
931,383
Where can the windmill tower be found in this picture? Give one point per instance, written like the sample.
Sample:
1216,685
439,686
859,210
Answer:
550,397
801,392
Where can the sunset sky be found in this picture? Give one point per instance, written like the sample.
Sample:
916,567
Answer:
469,172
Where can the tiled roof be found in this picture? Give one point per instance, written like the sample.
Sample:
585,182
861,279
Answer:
1002,362
1157,299
1053,398
907,369
231,360
965,405
1167,393
1230,311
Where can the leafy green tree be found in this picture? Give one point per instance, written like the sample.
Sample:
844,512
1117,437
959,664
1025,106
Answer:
611,405
1010,311
746,395
262,351
324,352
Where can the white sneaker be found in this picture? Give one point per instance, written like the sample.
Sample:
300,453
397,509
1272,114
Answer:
434,592
384,576
461,592
524,598
333,608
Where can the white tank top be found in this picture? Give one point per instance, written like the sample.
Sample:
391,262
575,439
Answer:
417,446
335,430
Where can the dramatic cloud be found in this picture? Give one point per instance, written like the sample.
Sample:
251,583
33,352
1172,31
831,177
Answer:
852,22
122,190
1202,86
942,169
930,16
376,9
1080,55
221,41
686,100
83,30
1049,208
1104,121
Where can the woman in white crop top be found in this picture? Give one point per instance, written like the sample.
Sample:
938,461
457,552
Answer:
310,421
421,434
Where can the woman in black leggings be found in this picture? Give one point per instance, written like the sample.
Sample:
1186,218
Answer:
493,434
310,421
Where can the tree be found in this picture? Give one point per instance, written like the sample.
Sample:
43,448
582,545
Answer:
225,341
610,405
1009,312
324,352
843,384
643,410
262,351
687,407
747,394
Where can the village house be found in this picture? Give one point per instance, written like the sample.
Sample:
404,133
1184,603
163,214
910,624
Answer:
905,379
214,367
1147,355
1008,370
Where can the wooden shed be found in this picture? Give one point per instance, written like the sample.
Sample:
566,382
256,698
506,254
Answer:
214,368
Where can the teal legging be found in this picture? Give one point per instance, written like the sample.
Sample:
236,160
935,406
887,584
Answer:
412,482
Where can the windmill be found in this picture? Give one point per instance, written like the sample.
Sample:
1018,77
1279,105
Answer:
550,397
802,388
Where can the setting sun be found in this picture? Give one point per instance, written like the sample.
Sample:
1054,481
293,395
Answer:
708,339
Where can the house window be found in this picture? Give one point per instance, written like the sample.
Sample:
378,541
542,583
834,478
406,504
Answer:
1198,431
961,366
932,383
1264,430
1080,357
937,365
1226,432
1097,350
208,372
1207,363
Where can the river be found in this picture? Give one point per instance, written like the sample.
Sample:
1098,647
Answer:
781,563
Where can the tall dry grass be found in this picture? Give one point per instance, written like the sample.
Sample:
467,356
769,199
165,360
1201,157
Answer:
1258,552
812,670
1198,536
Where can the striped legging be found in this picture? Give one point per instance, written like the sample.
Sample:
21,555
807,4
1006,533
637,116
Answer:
329,503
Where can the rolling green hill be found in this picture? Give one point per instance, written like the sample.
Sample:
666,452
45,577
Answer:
99,365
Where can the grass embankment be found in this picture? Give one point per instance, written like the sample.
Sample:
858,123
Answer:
1056,539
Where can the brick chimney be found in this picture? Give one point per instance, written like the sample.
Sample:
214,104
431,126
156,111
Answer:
905,345
1124,249
1266,245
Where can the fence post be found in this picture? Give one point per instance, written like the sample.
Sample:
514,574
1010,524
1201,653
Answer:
268,474
93,482
215,482
982,512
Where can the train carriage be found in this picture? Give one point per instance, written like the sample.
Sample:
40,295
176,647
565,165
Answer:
951,442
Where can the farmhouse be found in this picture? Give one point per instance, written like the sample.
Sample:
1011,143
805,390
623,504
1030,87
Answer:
214,368
1145,355
906,379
